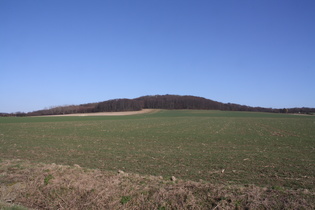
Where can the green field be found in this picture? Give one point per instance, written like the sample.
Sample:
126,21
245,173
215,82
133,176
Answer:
273,150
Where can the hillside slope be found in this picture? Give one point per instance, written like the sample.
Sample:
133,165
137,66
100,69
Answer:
157,102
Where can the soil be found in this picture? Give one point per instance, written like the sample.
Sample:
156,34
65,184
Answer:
143,111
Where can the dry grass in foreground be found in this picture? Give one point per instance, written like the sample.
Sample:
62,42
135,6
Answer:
43,186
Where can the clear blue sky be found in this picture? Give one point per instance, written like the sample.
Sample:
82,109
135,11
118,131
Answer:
62,52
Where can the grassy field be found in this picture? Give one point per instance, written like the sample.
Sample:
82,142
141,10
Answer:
274,150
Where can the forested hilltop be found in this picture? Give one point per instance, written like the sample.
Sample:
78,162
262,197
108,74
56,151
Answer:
156,102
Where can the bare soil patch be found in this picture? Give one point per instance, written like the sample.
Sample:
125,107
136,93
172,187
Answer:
143,111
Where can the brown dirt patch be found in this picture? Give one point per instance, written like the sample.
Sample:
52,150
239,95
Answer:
143,111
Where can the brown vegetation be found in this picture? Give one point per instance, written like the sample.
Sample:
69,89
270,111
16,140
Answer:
52,186
155,102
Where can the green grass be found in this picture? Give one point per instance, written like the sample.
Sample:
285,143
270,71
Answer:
253,148
5,206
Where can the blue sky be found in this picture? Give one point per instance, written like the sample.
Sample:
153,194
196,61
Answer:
62,52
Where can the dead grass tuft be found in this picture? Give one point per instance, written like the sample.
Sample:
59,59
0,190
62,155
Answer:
52,186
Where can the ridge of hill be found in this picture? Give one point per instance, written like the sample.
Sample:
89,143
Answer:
157,102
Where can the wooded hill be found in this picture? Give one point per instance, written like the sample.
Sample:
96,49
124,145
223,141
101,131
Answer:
157,102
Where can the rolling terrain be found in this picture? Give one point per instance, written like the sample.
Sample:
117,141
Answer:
156,102
256,159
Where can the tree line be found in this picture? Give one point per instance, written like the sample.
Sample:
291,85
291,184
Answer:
155,102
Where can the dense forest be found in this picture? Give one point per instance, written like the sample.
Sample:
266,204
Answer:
156,102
